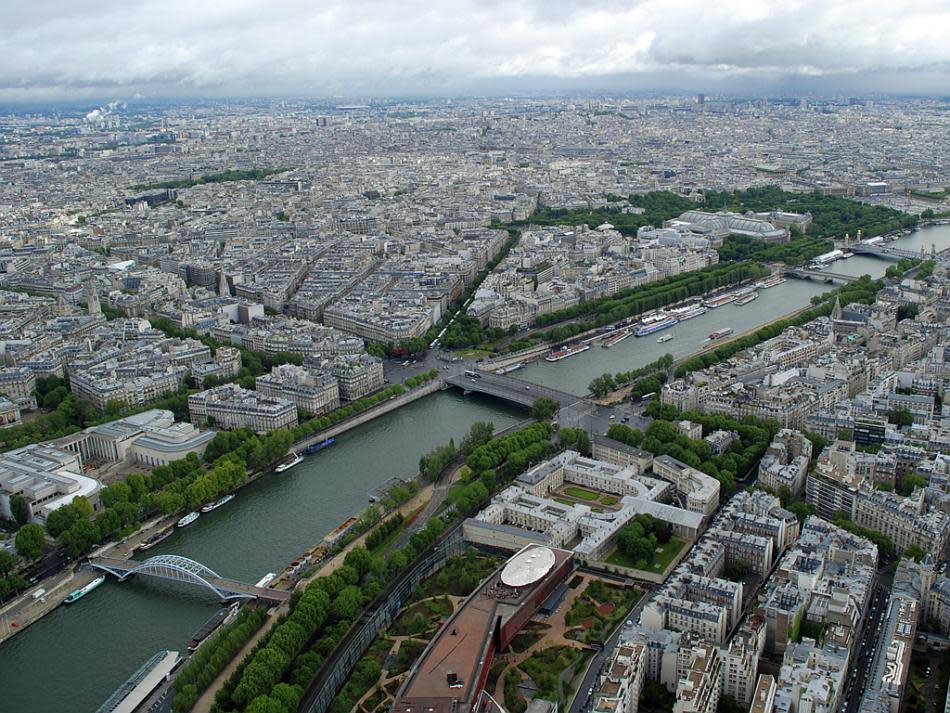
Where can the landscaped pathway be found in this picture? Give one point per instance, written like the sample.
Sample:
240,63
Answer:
554,635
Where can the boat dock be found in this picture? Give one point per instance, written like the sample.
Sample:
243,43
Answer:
131,694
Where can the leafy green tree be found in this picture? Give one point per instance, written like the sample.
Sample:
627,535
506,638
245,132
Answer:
801,510
20,508
909,483
7,562
785,495
30,541
185,698
81,537
900,417
347,604
914,552
601,385
737,571
543,408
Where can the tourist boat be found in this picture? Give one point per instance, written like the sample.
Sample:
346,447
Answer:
266,579
188,519
296,460
688,311
615,339
511,368
846,254
773,281
77,594
665,338
721,300
310,450
566,352
656,327
651,317
719,334
746,299
218,503
150,542
208,628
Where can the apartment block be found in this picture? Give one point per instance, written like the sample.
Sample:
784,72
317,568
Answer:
312,392
230,406
700,490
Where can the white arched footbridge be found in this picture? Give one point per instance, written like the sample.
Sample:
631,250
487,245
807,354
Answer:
182,569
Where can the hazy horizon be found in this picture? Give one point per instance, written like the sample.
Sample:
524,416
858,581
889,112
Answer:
91,50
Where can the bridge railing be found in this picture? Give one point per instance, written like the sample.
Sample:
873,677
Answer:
179,569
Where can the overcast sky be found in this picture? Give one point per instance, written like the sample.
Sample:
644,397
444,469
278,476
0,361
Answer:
111,48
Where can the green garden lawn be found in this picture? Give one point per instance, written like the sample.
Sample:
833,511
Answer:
665,554
580,493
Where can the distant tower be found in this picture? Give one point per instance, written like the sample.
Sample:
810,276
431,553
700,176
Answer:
92,301
700,99
836,311
62,309
223,290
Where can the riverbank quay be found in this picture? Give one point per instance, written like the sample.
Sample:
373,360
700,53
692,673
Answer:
371,413
416,512
18,614
206,700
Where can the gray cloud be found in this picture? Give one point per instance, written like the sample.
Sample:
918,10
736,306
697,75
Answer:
364,47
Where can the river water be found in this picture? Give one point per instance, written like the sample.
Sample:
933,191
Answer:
74,658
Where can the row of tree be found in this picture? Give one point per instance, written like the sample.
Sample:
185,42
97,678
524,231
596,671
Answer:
208,661
657,206
636,300
662,437
800,249
10,578
274,676
605,383
381,533
434,462
322,423
234,174
497,452
420,379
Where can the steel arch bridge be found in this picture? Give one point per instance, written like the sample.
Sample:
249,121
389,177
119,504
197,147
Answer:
182,569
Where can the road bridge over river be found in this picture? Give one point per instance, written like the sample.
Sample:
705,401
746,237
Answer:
575,411
824,275
890,252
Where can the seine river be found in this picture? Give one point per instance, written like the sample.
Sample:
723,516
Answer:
74,658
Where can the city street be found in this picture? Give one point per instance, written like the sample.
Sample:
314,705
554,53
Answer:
867,648
582,698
